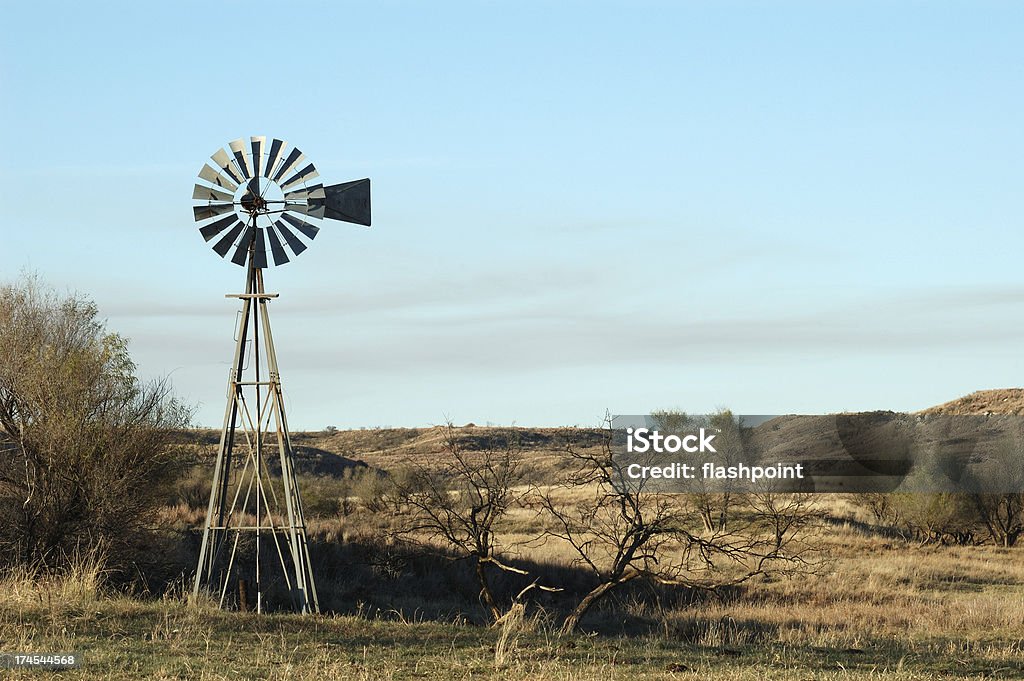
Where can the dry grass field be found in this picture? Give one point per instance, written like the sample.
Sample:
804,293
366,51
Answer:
882,610
877,605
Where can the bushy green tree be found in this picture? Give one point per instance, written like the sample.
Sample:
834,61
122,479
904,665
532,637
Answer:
933,503
84,444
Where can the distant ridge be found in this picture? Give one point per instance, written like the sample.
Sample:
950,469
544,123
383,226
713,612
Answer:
1008,401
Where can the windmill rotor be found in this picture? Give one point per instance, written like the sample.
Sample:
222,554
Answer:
258,198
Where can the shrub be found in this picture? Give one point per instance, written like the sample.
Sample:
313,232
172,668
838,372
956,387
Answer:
85,456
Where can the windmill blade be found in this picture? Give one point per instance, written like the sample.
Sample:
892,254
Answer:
348,202
212,210
315,209
238,149
257,153
307,173
294,158
214,228
243,246
276,147
215,178
224,245
280,256
309,230
310,208
201,193
224,162
259,253
293,241
314,192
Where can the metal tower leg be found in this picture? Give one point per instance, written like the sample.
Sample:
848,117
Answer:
244,500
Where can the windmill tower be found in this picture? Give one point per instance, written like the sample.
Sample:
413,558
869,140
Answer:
254,547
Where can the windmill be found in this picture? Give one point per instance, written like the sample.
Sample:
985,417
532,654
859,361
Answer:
261,198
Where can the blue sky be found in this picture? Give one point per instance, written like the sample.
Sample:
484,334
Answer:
578,206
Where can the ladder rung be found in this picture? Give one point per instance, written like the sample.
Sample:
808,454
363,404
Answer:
263,528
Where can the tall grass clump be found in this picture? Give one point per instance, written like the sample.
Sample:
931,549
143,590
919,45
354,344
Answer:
79,580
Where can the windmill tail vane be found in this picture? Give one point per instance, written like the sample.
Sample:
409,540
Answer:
256,198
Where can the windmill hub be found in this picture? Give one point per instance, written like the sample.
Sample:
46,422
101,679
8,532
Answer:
253,203
261,198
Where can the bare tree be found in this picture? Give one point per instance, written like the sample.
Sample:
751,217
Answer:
622,530
1002,515
84,452
996,493
461,500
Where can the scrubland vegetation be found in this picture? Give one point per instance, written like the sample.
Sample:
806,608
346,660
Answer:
885,609
465,552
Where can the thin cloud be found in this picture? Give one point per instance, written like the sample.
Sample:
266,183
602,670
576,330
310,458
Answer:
496,328
467,291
